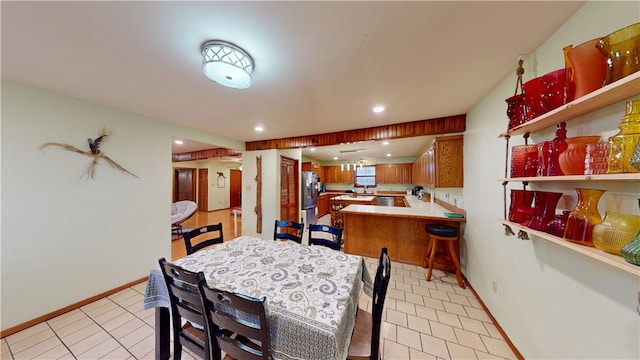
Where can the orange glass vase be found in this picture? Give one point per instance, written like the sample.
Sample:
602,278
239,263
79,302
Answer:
572,159
584,217
586,69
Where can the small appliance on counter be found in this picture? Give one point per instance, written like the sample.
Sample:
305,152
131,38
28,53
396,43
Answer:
416,190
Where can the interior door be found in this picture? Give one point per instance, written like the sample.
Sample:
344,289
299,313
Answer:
235,188
184,186
203,189
289,189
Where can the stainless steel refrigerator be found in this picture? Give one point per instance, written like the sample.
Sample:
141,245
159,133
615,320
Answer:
309,198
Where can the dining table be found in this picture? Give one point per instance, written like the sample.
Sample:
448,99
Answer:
312,293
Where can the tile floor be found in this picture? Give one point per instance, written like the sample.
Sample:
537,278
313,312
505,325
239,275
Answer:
422,320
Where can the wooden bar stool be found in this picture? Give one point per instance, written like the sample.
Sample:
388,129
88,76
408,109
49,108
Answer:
450,235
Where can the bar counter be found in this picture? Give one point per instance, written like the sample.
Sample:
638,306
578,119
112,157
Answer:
402,230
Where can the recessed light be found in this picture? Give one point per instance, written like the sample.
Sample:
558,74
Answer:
258,128
335,158
388,155
385,143
378,109
179,142
313,149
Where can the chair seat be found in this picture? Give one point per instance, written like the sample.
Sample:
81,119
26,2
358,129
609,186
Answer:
442,230
360,347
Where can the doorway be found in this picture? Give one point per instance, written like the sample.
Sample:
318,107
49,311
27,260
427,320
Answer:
235,188
184,186
289,189
203,189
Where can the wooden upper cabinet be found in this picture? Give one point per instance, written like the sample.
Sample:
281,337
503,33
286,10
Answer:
393,173
334,175
442,164
310,166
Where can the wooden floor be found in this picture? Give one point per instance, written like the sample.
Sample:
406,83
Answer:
202,218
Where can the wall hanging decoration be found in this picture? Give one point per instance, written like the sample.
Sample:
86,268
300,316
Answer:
221,179
94,152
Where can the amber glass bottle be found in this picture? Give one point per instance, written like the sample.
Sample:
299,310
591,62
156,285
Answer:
622,144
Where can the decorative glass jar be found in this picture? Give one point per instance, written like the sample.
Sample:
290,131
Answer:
583,217
595,160
572,159
524,161
622,145
615,231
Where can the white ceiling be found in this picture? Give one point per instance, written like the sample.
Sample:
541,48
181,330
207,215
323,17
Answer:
320,66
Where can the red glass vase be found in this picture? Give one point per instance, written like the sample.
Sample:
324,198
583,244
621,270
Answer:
556,147
544,209
520,209
516,110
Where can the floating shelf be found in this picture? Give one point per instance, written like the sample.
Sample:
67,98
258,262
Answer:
595,177
623,89
599,255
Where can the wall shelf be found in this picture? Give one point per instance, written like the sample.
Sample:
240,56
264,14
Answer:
595,177
596,254
620,90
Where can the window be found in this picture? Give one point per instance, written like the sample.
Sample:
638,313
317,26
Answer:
366,176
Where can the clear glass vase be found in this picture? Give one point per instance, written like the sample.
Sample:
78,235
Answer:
583,217
631,251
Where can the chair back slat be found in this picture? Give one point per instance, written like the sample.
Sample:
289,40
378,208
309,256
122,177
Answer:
242,315
186,304
380,286
316,231
196,234
288,230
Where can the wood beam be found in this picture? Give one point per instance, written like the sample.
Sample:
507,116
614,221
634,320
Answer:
443,125
206,154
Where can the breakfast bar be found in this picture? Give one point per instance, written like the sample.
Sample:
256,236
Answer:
368,228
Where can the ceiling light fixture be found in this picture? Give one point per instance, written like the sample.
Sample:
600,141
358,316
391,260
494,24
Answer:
258,128
227,64
179,142
378,109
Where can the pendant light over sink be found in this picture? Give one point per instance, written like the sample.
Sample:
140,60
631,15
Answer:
227,64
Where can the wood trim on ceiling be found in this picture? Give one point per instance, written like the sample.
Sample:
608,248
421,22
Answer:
206,154
443,125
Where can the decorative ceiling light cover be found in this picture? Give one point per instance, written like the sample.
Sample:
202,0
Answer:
227,64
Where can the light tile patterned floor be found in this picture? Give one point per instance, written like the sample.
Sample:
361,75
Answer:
422,320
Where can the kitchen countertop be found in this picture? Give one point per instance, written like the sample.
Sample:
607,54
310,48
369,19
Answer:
352,198
417,209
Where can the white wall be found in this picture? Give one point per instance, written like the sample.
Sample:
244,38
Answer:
69,239
552,302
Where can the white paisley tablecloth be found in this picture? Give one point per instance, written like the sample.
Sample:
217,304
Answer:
312,291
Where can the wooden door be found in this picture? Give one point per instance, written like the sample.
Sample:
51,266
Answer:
184,186
203,189
289,189
235,188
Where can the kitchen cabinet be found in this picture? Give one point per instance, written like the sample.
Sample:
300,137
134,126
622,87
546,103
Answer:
616,92
334,175
393,174
323,204
441,165
313,167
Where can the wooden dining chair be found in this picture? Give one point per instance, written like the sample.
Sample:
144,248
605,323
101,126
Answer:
325,235
365,341
186,305
237,323
288,230
204,232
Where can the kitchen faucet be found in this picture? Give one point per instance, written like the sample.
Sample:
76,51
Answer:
365,189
